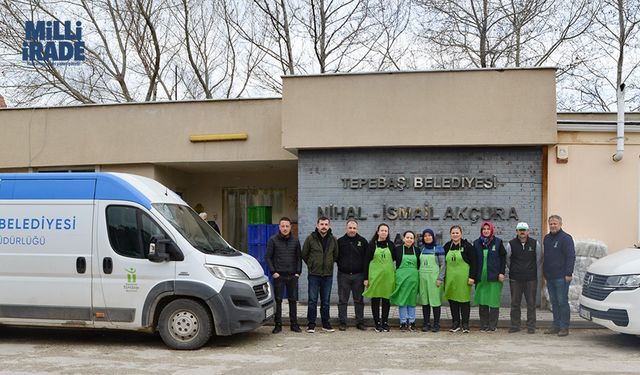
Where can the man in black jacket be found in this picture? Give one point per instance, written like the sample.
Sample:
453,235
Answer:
285,264
524,258
351,263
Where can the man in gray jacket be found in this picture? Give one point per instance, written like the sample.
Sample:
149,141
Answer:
285,264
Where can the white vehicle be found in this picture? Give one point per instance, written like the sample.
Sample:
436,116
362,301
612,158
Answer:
110,250
611,292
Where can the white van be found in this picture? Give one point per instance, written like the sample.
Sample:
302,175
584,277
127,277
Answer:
611,292
111,250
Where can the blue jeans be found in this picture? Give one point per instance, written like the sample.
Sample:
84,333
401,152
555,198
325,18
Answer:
319,285
559,296
407,310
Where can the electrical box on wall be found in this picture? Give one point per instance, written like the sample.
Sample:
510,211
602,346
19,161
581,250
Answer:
562,154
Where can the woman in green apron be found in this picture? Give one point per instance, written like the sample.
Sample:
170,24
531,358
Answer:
404,295
431,275
379,276
460,274
491,257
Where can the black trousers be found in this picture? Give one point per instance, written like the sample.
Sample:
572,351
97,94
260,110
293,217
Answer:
350,284
488,316
375,310
290,282
460,313
528,288
426,314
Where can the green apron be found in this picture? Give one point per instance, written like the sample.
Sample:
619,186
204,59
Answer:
428,291
487,292
381,278
406,281
456,280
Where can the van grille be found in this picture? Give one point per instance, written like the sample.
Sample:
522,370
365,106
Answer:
262,291
593,286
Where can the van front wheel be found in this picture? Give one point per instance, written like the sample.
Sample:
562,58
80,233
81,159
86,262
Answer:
185,324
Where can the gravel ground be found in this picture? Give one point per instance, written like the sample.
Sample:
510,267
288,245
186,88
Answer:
585,351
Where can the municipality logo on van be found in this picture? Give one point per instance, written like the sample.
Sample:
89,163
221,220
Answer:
131,275
132,280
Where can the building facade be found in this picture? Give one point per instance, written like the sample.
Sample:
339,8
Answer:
413,149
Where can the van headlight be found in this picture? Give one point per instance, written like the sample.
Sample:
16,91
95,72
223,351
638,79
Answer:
225,272
623,282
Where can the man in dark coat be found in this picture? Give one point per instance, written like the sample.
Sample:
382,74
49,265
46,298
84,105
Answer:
284,259
351,262
559,260
524,258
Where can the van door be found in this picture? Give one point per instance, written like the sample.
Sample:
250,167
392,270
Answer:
126,275
45,261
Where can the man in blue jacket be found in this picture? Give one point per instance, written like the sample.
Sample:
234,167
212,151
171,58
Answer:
559,259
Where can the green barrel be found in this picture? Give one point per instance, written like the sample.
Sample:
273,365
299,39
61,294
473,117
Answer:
259,215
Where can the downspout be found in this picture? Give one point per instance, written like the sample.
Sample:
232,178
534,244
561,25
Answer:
620,125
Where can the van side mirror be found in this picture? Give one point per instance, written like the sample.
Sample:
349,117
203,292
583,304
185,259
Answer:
162,249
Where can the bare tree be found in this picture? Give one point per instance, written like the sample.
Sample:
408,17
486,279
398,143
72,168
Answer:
614,50
391,19
339,32
134,51
213,50
490,33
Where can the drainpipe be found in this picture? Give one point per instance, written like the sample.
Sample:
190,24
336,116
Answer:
620,125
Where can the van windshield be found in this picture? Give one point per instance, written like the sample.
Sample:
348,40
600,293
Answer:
195,230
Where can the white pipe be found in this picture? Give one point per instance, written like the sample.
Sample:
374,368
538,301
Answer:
620,125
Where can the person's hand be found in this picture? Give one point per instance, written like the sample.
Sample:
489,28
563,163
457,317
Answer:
568,278
438,283
366,283
297,275
276,275
501,278
471,281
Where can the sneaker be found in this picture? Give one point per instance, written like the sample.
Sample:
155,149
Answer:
311,329
378,327
328,328
277,329
531,331
465,329
295,327
484,329
563,332
552,331
455,329
385,327
361,327
412,327
514,329
342,327
435,328
403,327
426,328
491,330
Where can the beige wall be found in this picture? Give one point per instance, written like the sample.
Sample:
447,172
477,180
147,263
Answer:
597,197
140,133
480,107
